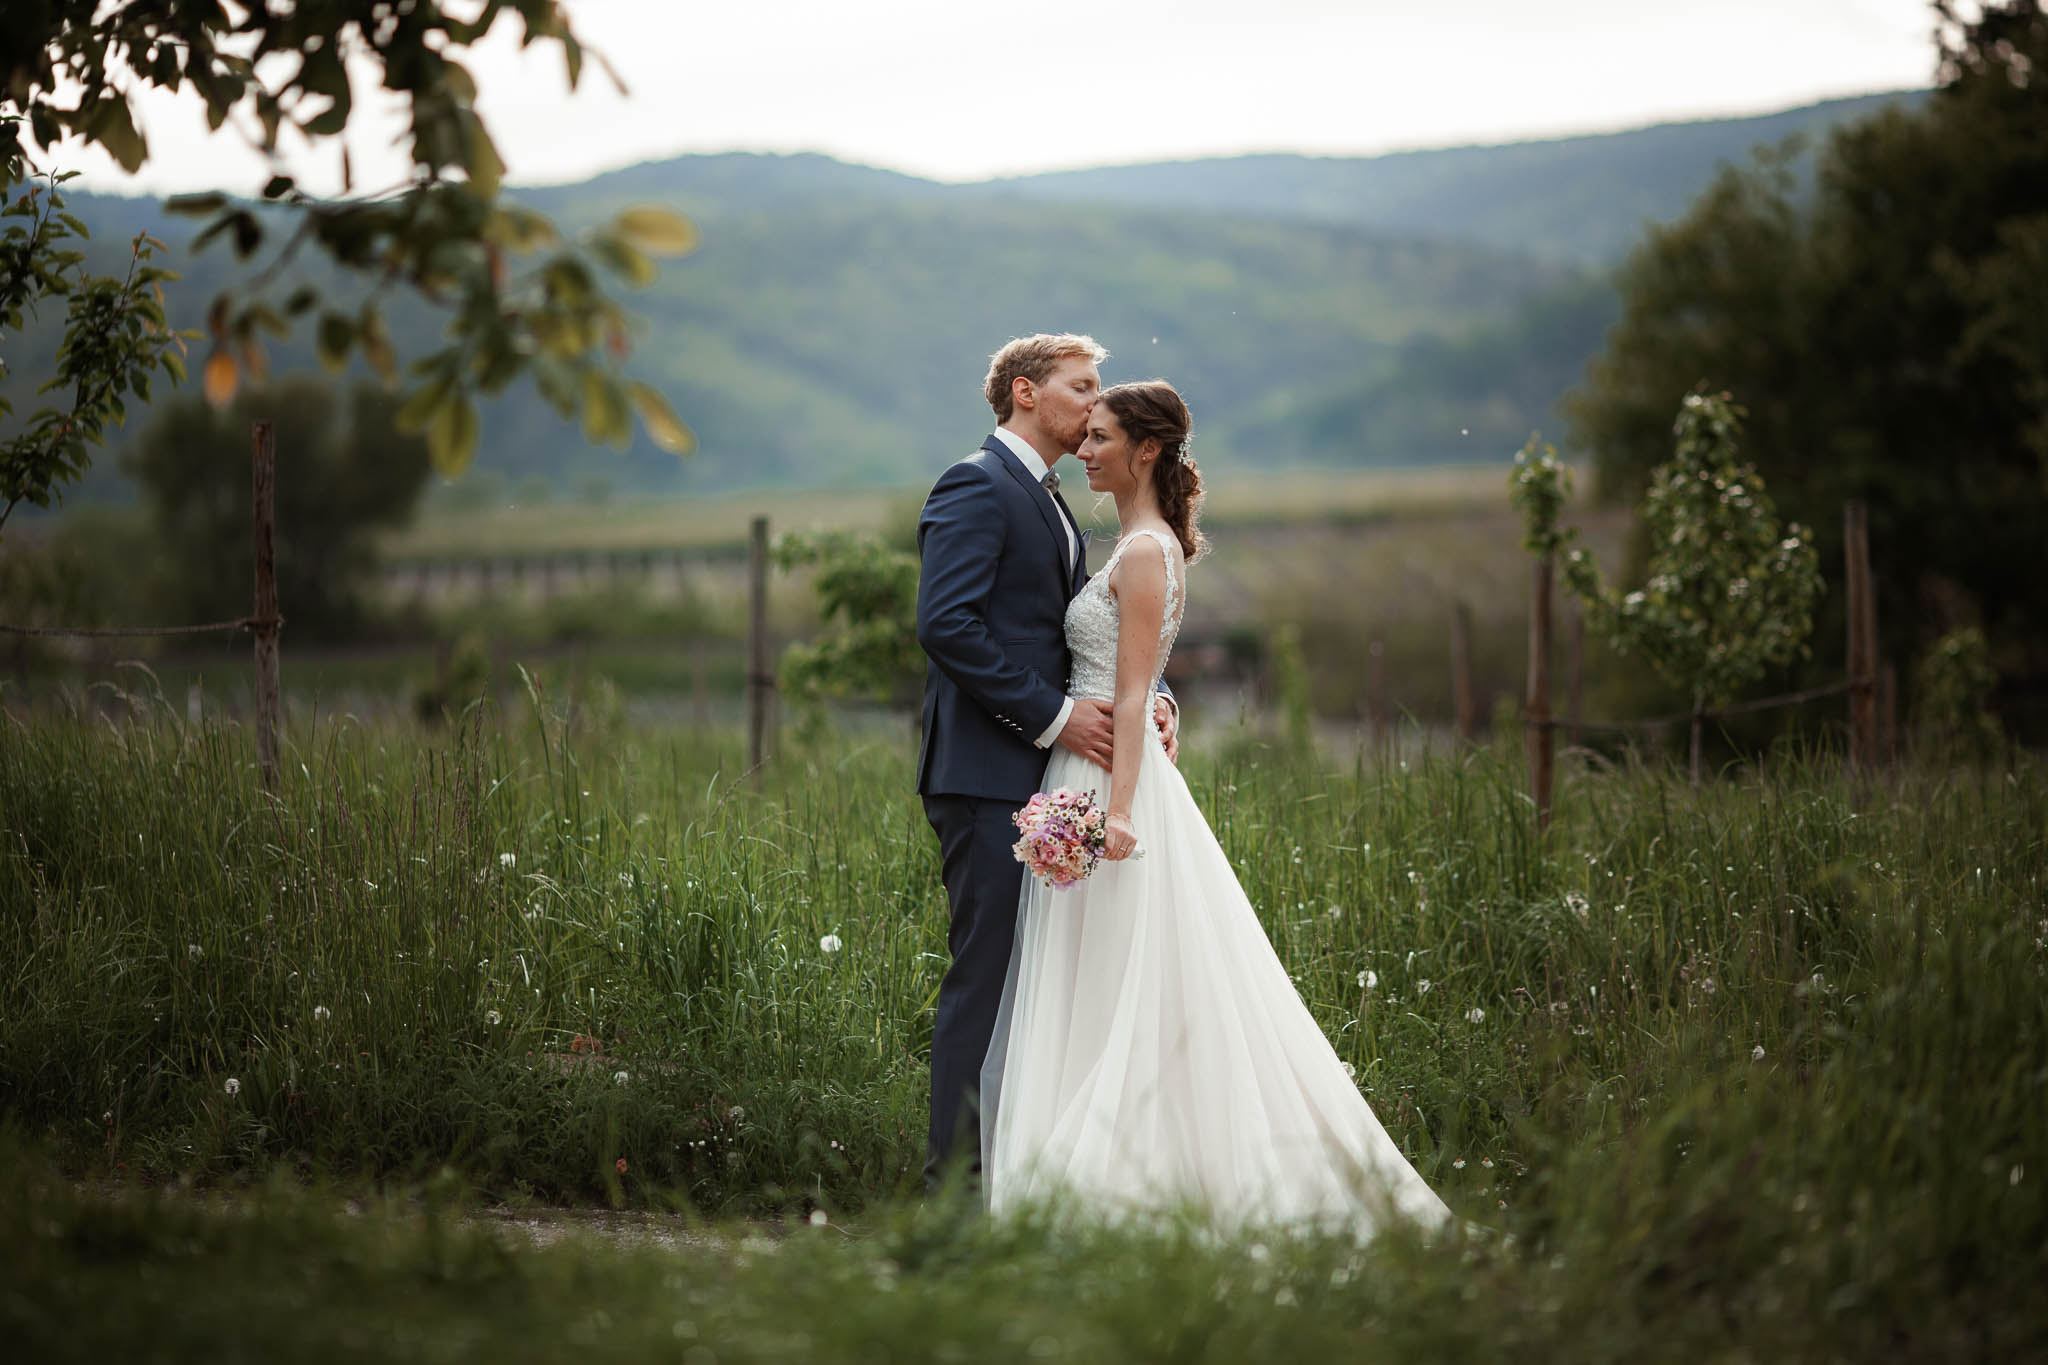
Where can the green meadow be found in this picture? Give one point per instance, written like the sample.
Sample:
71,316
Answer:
1753,1071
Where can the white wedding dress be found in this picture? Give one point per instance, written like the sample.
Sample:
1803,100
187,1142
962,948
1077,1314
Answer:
1151,1052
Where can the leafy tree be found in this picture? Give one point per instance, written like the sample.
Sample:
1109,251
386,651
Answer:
867,594
351,473
1888,333
517,300
115,339
1729,592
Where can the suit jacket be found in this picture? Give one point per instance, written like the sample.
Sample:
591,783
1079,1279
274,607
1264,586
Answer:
992,598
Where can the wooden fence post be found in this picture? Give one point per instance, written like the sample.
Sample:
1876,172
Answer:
1542,739
1376,694
1575,678
759,679
1461,670
700,698
263,505
1862,642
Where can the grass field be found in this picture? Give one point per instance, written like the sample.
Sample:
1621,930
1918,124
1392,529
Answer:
1757,1071
1238,498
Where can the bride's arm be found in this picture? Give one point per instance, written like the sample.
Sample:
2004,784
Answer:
1139,582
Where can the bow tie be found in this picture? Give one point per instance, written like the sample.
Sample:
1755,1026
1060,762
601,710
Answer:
1051,482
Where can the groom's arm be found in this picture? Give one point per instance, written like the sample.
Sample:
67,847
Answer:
960,540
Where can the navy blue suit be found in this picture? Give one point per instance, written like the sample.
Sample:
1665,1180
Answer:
991,614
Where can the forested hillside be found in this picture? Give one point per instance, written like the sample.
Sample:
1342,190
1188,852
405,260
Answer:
833,326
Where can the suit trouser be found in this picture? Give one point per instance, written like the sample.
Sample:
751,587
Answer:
983,881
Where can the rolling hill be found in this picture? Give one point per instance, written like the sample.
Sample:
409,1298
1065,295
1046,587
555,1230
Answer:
833,328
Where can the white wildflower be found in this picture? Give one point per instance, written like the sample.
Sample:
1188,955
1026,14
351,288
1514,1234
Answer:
1422,986
829,944
621,1077
1576,903
1350,1071
233,1087
508,860
1368,979
493,1018
321,1014
818,1218
1756,1054
193,952
1475,1015
1459,1164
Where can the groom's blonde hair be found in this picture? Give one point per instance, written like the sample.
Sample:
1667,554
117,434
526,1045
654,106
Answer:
1032,358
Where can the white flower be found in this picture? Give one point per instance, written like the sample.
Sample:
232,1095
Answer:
818,1218
1336,912
1708,985
233,1087
193,952
1422,986
1756,1054
620,1077
735,1113
508,860
1575,903
1459,1164
493,1018
321,1014
1351,1071
829,944
1368,979
1475,1015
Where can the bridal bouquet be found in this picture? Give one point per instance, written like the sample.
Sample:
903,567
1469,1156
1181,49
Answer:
1063,836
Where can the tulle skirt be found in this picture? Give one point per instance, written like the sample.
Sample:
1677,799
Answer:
1151,1053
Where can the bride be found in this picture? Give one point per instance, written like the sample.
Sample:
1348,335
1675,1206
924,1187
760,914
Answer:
1150,1050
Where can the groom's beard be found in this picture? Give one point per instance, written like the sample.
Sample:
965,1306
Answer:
1070,440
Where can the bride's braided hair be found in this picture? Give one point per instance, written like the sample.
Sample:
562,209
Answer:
1153,410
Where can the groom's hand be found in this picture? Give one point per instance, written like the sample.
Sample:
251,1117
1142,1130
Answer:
1168,716
1087,732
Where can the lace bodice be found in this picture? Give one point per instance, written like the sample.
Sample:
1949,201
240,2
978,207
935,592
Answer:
1092,621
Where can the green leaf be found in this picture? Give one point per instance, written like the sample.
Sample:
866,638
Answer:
663,427
194,205
486,168
337,333
113,127
328,121
451,436
417,413
660,231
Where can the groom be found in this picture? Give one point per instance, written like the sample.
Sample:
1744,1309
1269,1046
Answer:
1001,556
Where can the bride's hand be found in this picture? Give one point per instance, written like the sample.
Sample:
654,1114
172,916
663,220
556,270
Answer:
1119,840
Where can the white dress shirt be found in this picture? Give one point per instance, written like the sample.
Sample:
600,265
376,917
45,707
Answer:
1034,465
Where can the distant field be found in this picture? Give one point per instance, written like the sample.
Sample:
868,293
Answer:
1237,498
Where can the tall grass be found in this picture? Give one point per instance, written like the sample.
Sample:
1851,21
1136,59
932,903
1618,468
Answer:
1767,1056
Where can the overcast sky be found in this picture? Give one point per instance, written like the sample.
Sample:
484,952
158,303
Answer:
961,90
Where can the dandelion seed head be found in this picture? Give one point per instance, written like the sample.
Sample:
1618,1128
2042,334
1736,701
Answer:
508,860
493,1018
1756,1054
621,1077
233,1087
1475,1015
1368,979
819,1218
829,944
321,1014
